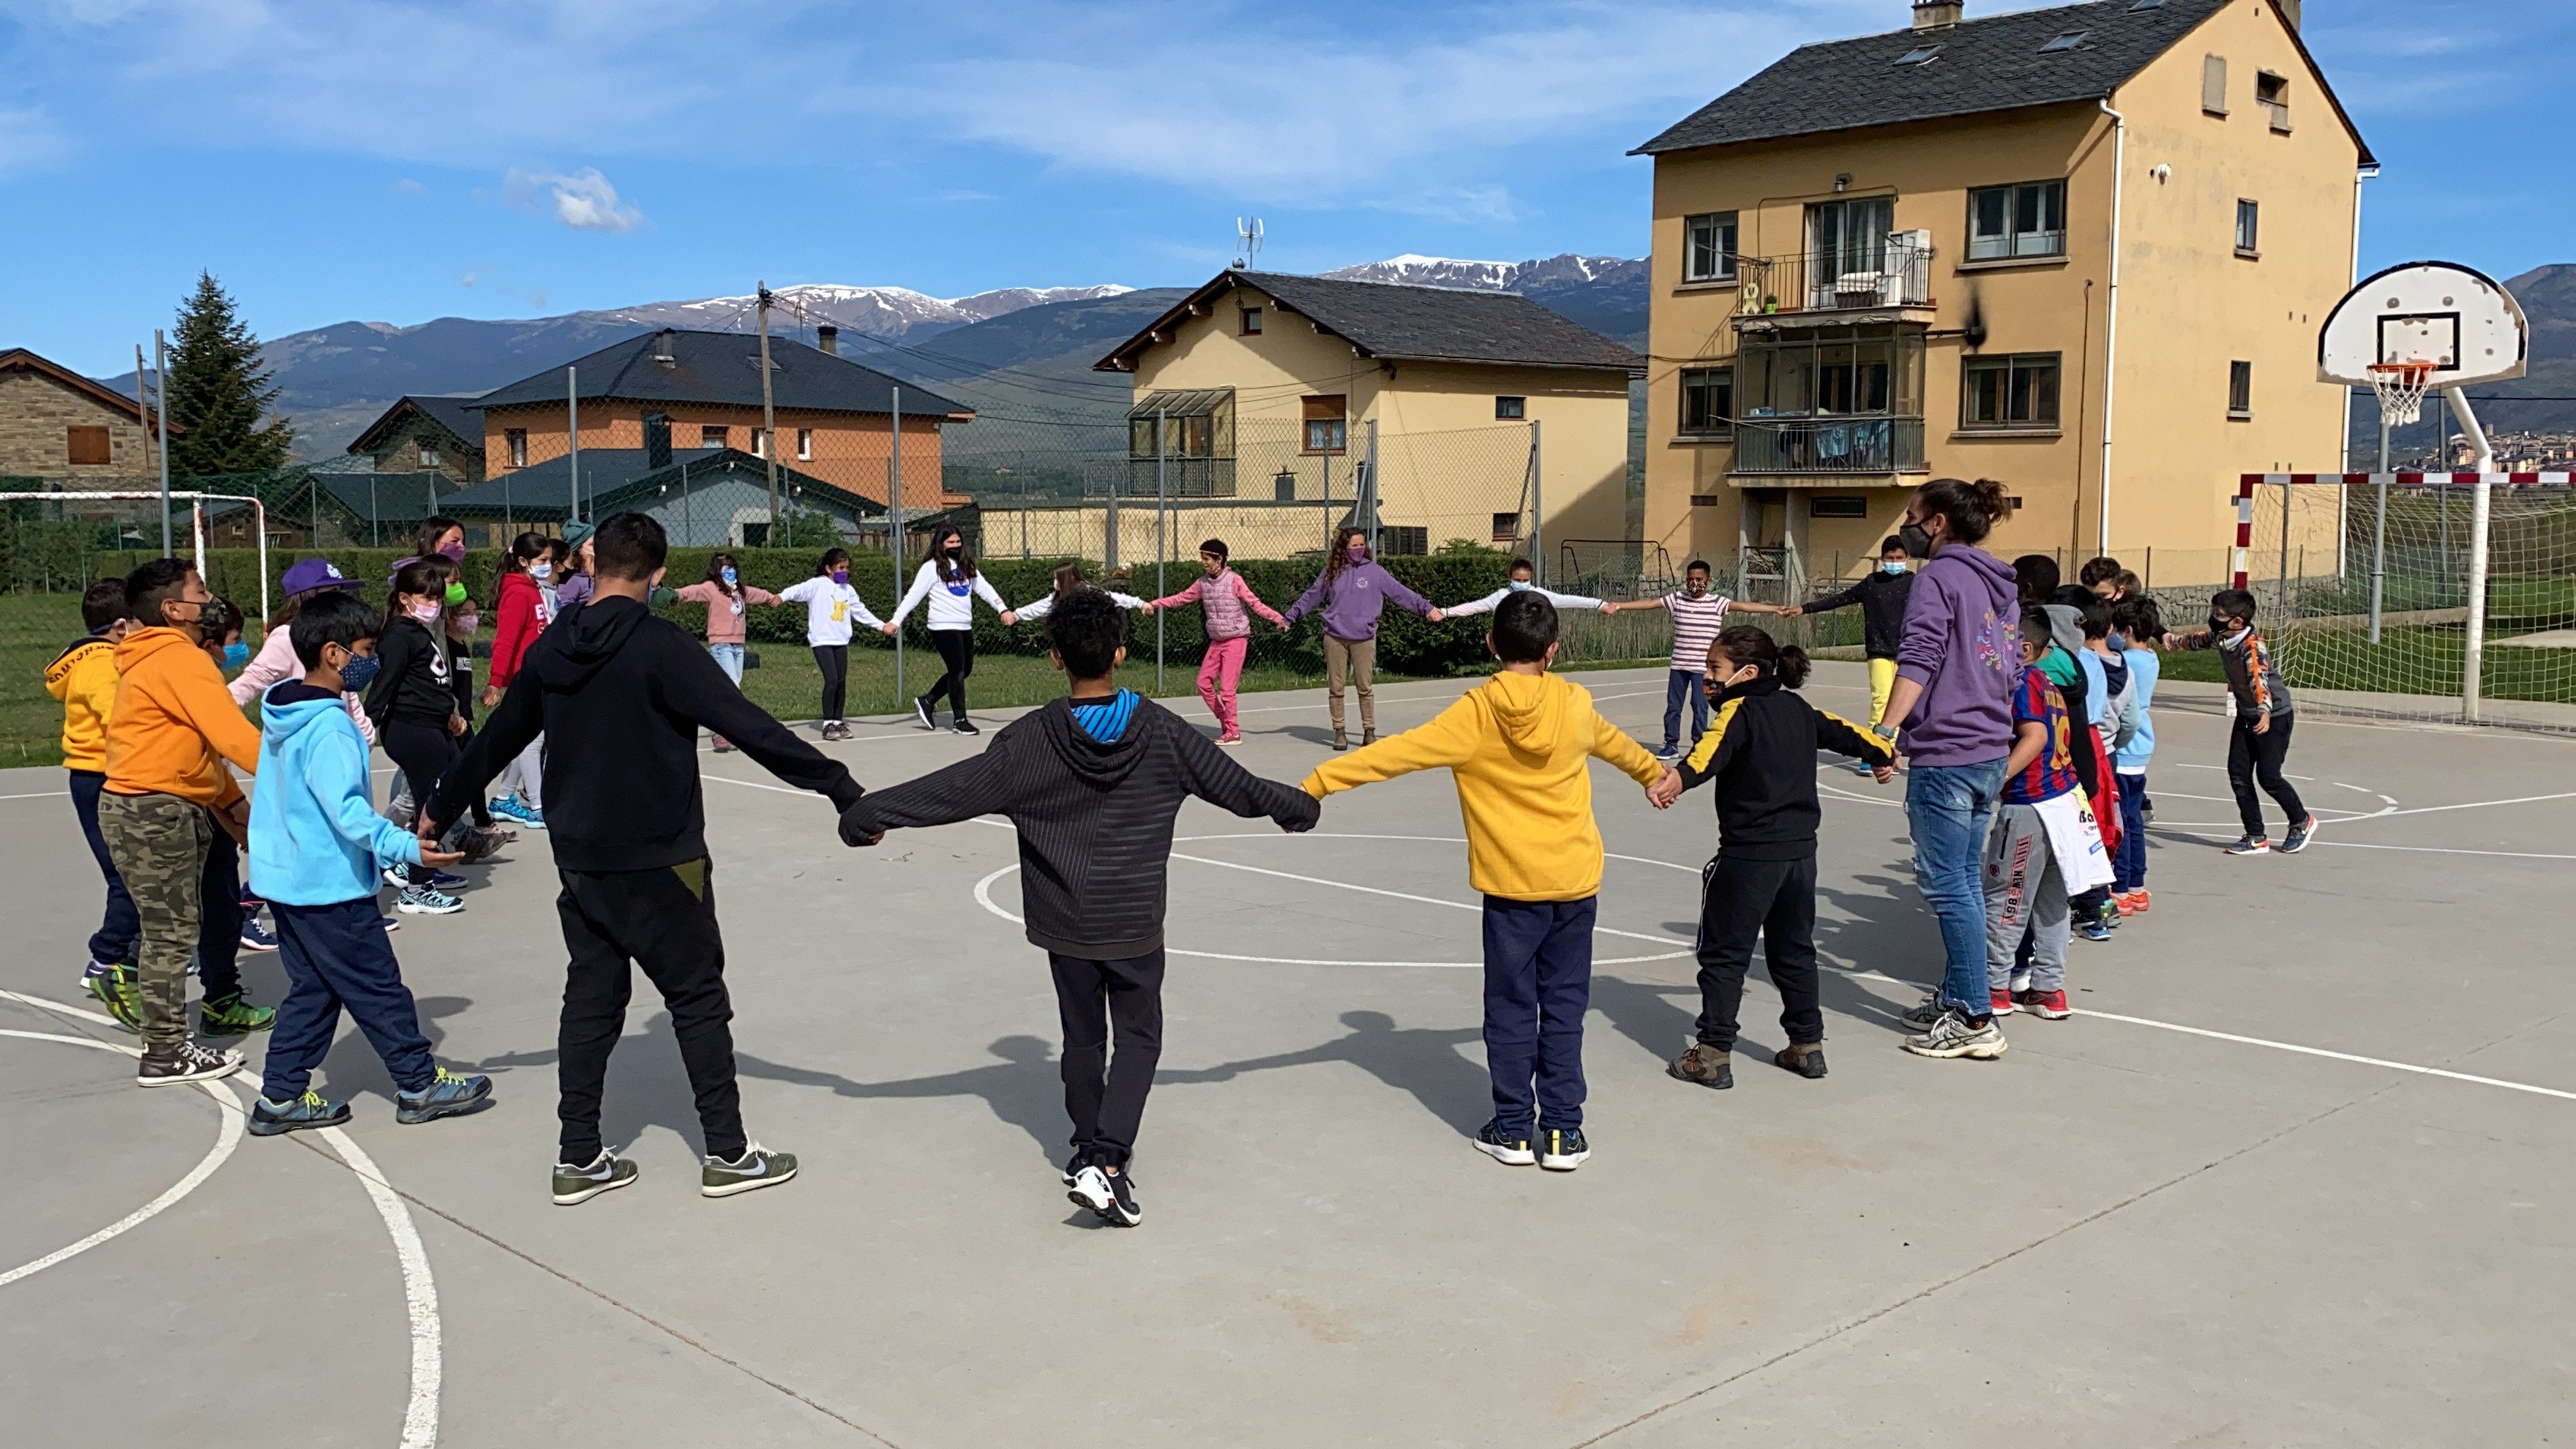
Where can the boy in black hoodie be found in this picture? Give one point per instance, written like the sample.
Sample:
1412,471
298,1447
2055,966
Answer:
1092,783
620,696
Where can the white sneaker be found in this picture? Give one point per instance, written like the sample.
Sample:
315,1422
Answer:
1924,1013
1953,1036
1091,1190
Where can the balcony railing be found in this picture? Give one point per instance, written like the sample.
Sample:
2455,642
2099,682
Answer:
1895,273
1828,445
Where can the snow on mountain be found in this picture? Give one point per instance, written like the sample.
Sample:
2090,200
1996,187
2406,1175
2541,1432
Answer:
1537,277
890,312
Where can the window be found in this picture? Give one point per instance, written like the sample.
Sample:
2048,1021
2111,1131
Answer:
2213,84
516,441
1393,540
1511,409
87,445
804,445
1708,250
2028,220
760,442
1832,507
1707,500
2071,40
2272,93
2240,390
1919,55
2249,228
1251,321
1708,399
1328,428
2011,392
429,456
713,438
1507,527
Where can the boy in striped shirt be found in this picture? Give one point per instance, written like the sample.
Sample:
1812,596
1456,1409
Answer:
1699,612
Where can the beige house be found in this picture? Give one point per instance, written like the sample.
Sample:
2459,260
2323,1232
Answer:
1262,398
61,427
2082,250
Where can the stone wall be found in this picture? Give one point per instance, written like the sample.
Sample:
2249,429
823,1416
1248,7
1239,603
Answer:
35,414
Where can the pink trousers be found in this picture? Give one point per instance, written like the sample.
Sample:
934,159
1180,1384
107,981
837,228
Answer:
1218,673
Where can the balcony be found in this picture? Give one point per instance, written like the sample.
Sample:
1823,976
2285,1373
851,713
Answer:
1890,274
1832,447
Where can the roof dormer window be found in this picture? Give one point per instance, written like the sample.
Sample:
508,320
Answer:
2071,40
1919,55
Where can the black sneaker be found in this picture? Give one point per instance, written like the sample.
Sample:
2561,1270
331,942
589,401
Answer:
606,1173
1111,1196
1511,1149
1807,1059
1562,1149
2297,839
2251,845
921,712
1073,1167
186,1062
965,727
758,1167
270,1119
449,1094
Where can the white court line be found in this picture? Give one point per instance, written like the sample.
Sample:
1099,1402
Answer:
420,1290
228,1135
2309,1051
2442,850
2471,805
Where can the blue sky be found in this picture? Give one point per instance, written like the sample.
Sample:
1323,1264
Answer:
335,159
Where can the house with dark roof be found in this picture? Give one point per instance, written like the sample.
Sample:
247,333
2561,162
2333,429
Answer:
2083,250
704,497
1490,418
836,421
431,433
67,429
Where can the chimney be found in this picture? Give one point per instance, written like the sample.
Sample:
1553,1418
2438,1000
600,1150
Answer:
2289,11
657,440
1936,14
662,349
828,337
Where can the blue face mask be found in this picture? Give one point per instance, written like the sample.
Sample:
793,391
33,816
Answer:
236,654
2118,641
728,573
1896,566
358,673
1522,586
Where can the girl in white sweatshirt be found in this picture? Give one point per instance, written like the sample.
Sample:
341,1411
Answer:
948,579
830,605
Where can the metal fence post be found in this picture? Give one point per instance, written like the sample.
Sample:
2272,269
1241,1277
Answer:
1538,506
161,397
1368,491
894,529
2286,488
1162,507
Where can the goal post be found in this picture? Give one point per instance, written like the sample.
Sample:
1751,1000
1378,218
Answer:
85,499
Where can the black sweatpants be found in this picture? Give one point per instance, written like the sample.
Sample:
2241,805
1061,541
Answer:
834,661
1105,1094
663,920
424,752
1776,898
957,651
2251,758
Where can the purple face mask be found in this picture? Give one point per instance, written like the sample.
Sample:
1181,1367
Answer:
452,551
840,576
1359,551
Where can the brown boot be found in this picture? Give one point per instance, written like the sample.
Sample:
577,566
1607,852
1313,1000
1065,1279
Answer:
1704,1065
1806,1058
1368,736
1341,741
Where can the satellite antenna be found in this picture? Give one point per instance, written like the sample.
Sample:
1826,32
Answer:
1247,237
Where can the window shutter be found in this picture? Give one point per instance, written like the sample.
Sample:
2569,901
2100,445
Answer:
86,446
2213,84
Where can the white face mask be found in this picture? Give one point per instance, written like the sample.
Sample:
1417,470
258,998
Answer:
541,571
1892,566
1522,586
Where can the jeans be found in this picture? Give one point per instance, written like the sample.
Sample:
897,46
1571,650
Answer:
1105,1095
120,931
728,659
1678,684
2252,757
663,920
2129,865
957,652
1775,899
1218,674
1950,809
1538,984
337,956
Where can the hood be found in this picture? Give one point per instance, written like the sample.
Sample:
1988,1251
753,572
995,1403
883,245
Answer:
585,637
63,661
1099,765
1997,576
1529,708
512,583
143,644
279,723
2065,627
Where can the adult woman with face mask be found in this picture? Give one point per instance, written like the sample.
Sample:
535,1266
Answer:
1350,593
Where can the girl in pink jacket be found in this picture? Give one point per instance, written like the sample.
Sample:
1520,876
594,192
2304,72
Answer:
724,593
1227,603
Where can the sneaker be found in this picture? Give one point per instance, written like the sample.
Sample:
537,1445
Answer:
2107,911
2046,1005
964,727
422,901
2250,845
606,1173
230,1015
836,731
1511,1149
723,746
254,936
2095,930
481,843
271,1119
393,876
2139,900
1110,1195
2127,901
1229,740
185,1062
1564,1149
1924,1013
1806,1058
437,880
1955,1036
1666,751
116,990
1073,1166
758,1167
921,712
2297,839
390,924
509,808
1703,1065
449,1094
2146,812
2001,1002
2020,983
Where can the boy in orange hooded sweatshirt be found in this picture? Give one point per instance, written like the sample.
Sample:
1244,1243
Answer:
1519,746
171,813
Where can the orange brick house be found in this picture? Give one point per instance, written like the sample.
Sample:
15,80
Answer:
835,419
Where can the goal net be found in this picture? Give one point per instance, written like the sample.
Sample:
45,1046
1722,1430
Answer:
2363,584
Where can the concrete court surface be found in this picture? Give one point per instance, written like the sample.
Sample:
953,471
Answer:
2122,1233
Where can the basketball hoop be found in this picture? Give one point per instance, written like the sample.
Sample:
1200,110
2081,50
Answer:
2401,387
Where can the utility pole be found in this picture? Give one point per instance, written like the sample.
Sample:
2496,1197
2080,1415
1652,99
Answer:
894,527
572,405
1538,510
161,389
143,403
768,418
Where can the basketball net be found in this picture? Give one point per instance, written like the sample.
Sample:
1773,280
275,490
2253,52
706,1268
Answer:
2401,387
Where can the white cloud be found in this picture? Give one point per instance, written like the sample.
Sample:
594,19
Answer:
29,140
583,200
405,186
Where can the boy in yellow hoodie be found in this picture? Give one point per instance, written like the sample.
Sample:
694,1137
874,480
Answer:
171,813
83,678
1519,746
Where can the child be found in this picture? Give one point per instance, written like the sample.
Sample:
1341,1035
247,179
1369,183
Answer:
83,678
2135,620
728,630
2259,741
830,604
1519,747
1226,603
949,579
413,702
549,573
1698,613
518,617
224,640
2101,577
572,581
1350,594
1523,577
1092,782
1761,751
2106,717
1882,598
316,844
1068,577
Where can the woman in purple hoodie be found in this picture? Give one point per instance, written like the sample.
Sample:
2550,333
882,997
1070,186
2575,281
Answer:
1350,593
1950,712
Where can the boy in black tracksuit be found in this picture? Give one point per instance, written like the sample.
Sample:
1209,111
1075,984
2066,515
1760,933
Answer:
620,696
1760,750
1882,598
1092,783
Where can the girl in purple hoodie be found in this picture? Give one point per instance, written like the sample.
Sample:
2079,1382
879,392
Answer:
1350,593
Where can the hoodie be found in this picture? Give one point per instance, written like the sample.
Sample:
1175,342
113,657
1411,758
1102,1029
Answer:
620,696
1519,747
518,617
1761,750
83,677
1962,644
315,836
172,725
1094,816
276,662
1351,600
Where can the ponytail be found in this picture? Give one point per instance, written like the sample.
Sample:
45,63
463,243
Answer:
1972,508
1743,644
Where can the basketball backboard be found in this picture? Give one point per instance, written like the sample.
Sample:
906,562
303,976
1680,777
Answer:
2451,316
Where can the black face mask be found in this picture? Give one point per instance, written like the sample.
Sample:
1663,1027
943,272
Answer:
952,553
2220,626
1916,541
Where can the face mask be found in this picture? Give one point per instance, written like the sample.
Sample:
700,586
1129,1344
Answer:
541,571
951,552
1891,566
453,552
2118,641
1359,551
840,576
425,611
2220,626
355,675
455,592
1522,586
1916,539
236,654
728,574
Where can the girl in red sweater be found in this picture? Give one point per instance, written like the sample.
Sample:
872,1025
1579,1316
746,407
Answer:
518,617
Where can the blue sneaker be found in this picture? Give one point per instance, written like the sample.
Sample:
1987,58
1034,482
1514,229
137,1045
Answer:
270,1119
508,807
422,901
450,1094
254,936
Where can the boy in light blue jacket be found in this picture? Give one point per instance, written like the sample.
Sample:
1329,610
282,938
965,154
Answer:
316,846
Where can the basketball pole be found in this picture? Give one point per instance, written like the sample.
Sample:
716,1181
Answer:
2379,535
2481,501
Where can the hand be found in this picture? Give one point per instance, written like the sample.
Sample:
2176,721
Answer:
1012,616
886,629
1144,608
236,820
440,857
491,696
1608,608
1665,790
1882,773
2169,639
1434,616
2262,724
455,724
1791,612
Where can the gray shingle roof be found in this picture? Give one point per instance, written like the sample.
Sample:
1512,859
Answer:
1404,323
1989,64
723,369
611,476
449,412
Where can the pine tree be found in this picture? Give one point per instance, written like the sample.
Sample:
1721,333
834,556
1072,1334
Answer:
219,393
